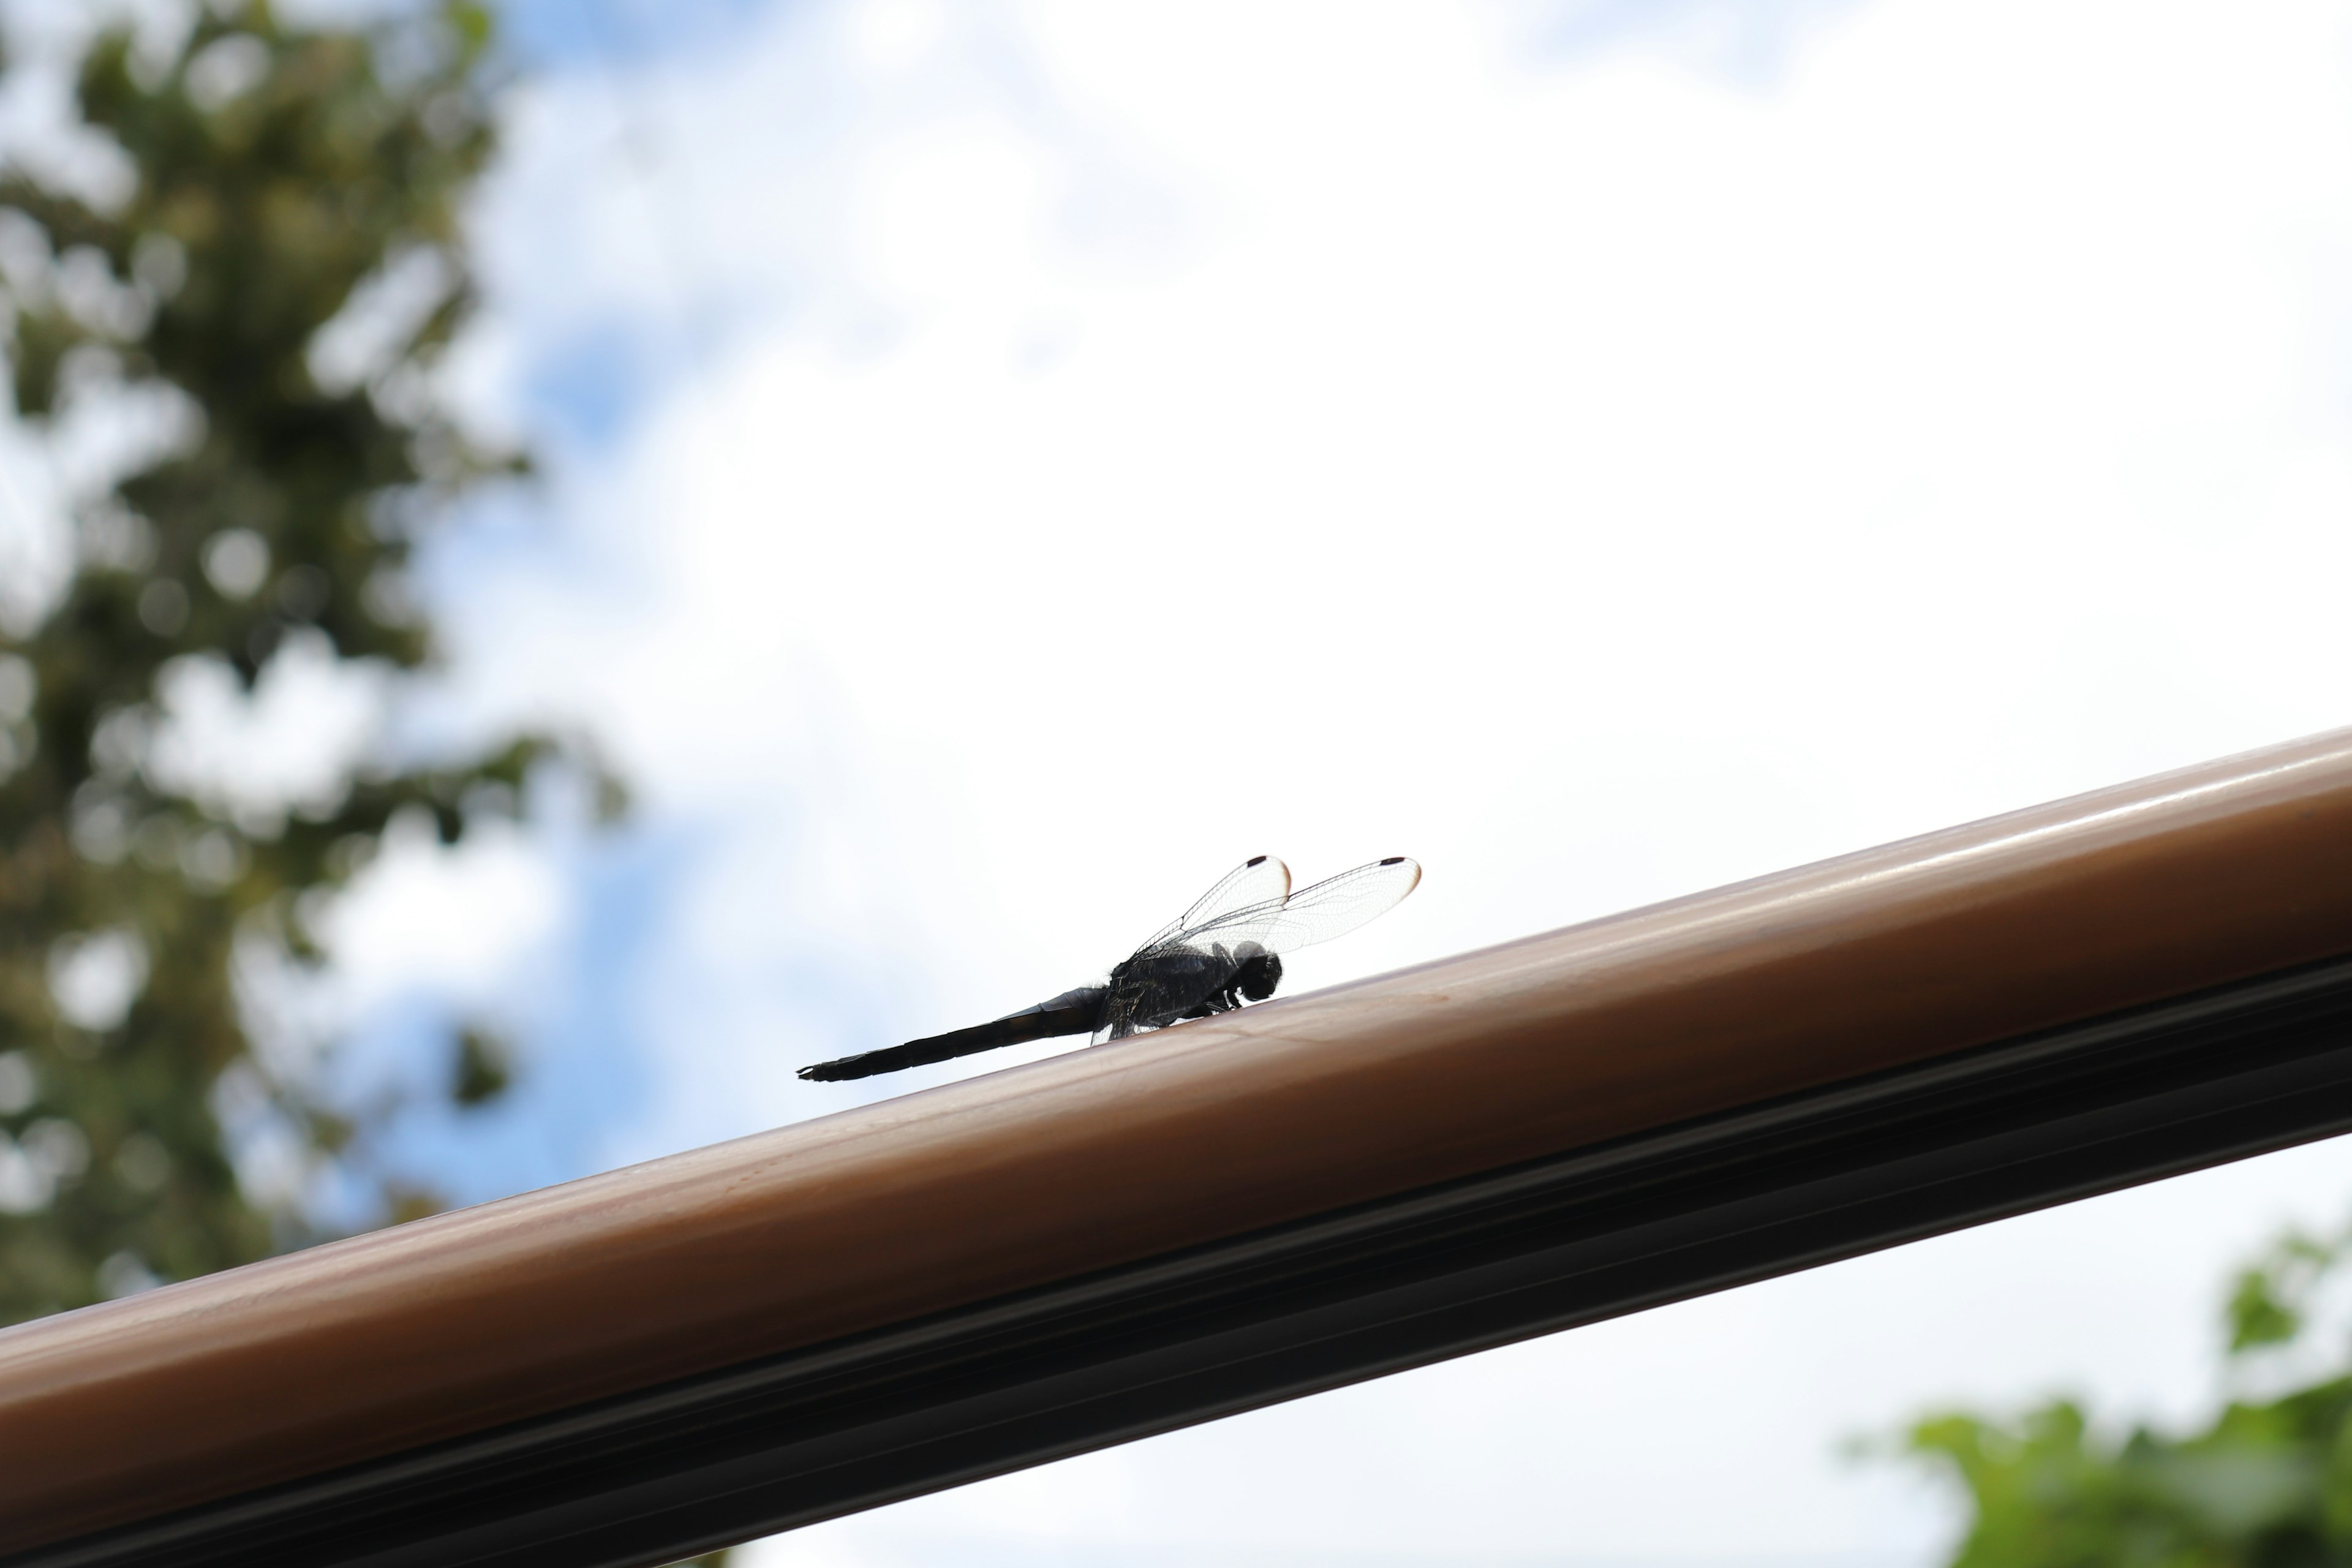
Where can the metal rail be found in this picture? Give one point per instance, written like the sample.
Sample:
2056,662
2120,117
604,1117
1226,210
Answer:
1241,1210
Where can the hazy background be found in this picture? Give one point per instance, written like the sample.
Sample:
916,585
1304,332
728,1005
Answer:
1003,464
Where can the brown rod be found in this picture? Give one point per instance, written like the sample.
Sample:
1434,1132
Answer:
468,1321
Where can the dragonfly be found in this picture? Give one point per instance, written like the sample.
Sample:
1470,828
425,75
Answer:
1222,952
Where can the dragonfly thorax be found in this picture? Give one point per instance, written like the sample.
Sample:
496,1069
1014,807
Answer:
1164,985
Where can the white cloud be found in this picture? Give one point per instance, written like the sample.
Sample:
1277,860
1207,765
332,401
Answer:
381,318
95,978
287,744
459,918
1599,480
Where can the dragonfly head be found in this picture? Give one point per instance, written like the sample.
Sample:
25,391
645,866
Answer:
1259,974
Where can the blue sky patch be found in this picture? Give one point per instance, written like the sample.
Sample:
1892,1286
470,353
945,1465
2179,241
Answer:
574,31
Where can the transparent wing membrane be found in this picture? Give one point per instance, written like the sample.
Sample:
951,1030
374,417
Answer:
1328,908
1259,879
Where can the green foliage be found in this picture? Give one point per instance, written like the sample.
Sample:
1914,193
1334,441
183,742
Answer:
2266,1485
2271,1302
278,170
484,1068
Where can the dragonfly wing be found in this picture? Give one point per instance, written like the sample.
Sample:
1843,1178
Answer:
1260,879
1330,908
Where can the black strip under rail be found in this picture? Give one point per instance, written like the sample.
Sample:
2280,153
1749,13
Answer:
652,1476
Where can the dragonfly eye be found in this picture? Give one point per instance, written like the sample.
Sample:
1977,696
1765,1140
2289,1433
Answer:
1259,975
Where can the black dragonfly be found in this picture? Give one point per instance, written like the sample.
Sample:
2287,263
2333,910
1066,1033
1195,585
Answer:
1225,950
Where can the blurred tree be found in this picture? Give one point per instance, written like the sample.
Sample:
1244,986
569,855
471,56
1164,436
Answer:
270,291
2266,1484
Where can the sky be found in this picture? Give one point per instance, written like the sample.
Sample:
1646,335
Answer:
1005,464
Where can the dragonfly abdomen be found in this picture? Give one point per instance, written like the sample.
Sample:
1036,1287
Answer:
1077,1012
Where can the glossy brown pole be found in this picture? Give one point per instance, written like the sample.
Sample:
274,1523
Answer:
460,1323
